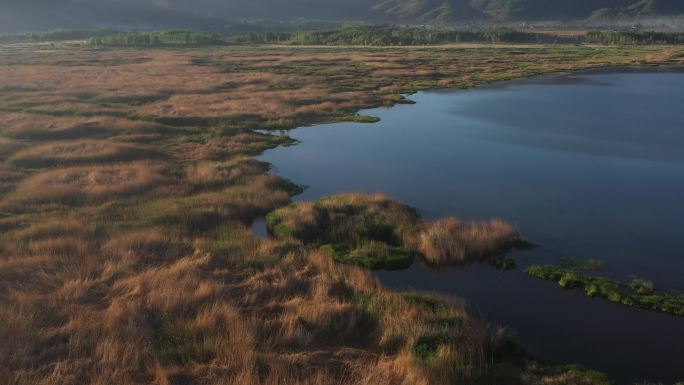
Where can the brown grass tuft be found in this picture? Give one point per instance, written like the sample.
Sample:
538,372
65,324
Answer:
451,241
147,247
76,152
74,184
9,147
45,127
216,174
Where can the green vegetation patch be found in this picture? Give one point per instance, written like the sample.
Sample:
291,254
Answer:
596,377
641,286
364,119
352,219
378,233
371,255
503,263
356,229
426,348
640,294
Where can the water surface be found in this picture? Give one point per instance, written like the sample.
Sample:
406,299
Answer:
587,166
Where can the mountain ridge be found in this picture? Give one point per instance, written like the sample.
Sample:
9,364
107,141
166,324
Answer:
454,10
46,14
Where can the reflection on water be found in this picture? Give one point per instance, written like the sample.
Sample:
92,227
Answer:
587,167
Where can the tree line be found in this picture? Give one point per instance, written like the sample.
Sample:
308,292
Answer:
54,35
156,39
389,36
348,35
634,37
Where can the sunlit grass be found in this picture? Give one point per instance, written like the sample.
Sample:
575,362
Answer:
74,185
128,188
78,152
378,233
451,241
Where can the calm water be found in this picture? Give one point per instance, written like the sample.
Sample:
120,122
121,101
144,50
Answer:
587,166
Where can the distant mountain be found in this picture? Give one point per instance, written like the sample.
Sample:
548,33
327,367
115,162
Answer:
641,8
444,11
426,11
46,14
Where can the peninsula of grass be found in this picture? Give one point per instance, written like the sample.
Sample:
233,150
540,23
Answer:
639,293
376,232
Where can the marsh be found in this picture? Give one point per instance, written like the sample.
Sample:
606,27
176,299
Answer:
587,166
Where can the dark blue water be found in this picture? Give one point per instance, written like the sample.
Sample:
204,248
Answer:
587,166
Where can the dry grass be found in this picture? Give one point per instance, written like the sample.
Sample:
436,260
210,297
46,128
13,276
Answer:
222,147
366,226
450,241
150,275
74,184
221,173
8,178
247,101
123,321
9,147
345,218
147,247
22,125
78,152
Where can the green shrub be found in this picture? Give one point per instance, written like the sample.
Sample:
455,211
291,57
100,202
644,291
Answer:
570,280
595,377
426,348
372,255
503,263
641,286
588,265
640,293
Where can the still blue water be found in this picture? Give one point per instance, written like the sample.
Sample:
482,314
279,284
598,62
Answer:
588,166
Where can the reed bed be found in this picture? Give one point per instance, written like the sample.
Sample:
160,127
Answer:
376,232
79,152
450,241
117,266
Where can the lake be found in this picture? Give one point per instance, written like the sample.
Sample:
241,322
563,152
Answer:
587,166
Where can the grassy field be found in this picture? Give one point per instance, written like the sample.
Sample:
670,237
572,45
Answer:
127,189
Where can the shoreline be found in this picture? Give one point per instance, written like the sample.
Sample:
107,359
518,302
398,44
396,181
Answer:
552,76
